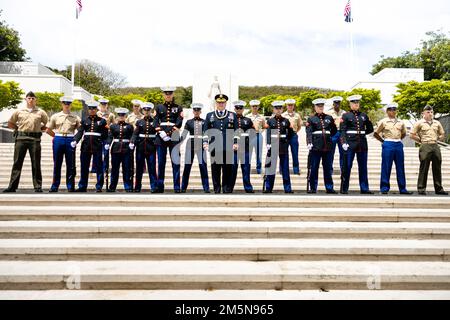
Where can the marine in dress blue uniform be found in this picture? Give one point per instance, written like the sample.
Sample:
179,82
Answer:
193,133
279,131
106,114
121,154
143,140
94,132
61,127
320,128
219,139
354,127
243,132
336,112
168,121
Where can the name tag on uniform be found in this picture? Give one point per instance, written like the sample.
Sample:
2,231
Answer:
174,110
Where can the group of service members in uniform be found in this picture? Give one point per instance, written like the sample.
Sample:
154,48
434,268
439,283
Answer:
139,142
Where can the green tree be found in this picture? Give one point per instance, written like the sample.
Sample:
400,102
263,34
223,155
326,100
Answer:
10,44
49,102
185,95
370,100
10,94
433,56
124,101
154,96
413,96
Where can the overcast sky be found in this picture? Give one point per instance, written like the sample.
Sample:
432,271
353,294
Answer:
284,42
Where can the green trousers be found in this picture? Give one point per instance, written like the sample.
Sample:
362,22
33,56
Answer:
33,146
430,153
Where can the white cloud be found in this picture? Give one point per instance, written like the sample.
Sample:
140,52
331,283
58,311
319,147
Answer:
266,42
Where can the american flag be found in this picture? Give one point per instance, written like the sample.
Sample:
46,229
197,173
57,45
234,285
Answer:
348,12
79,7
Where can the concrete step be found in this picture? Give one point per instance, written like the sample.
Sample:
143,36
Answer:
222,229
225,295
212,200
220,274
196,186
224,249
53,211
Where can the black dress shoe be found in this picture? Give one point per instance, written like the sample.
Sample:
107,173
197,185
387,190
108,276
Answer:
138,190
332,191
406,192
38,190
267,191
183,191
81,190
9,190
207,191
366,192
422,193
177,191
52,190
249,191
384,192
217,192
442,193
98,191
129,190
311,191
289,191
71,190
109,190
344,192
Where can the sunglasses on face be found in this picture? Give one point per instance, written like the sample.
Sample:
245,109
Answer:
67,103
239,108
103,103
355,101
168,93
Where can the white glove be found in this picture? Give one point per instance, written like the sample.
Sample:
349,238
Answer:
205,146
106,147
73,144
345,146
164,136
131,146
310,146
268,146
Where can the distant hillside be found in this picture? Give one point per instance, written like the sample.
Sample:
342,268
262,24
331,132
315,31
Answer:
246,93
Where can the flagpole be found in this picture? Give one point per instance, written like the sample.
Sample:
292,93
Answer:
352,54
75,42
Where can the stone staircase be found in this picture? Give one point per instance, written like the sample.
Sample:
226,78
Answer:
196,246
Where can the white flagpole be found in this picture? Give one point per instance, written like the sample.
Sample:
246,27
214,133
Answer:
74,49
